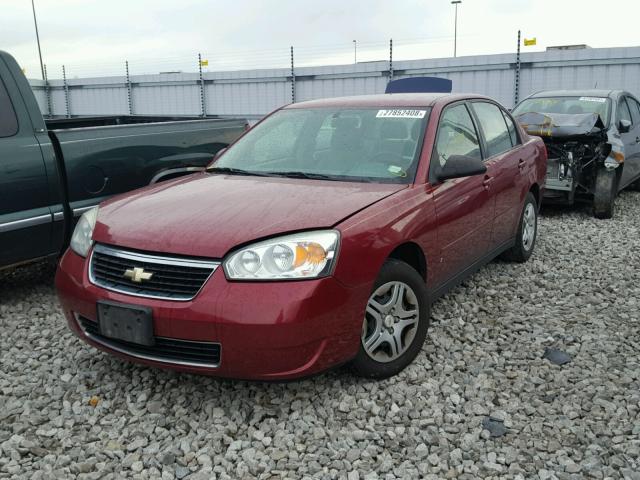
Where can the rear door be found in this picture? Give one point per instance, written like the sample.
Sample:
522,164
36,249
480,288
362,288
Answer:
505,165
25,217
464,206
631,139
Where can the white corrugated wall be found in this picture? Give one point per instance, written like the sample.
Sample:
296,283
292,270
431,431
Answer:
256,92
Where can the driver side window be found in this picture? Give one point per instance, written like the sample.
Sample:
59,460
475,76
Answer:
635,111
623,111
456,135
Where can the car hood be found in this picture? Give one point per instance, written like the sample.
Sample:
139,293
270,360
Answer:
208,215
561,124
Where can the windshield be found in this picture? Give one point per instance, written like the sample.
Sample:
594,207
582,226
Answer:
373,144
570,105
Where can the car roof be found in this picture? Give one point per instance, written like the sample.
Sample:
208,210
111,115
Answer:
593,92
383,100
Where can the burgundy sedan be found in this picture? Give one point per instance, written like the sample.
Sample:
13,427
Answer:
321,237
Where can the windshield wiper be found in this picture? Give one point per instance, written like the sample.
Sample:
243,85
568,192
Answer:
296,174
237,171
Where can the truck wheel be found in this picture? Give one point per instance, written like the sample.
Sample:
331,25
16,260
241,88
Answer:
527,232
604,195
395,324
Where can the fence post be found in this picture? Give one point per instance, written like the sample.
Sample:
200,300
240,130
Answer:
517,76
129,99
390,59
47,91
203,103
67,103
293,80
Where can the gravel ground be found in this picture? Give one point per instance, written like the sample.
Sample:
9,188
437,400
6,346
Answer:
479,402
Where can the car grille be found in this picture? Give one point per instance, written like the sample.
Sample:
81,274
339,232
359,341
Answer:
171,278
169,350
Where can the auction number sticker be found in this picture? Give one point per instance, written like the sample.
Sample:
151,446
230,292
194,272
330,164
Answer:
401,113
593,99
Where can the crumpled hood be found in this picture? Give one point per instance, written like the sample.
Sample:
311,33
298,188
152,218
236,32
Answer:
208,215
561,124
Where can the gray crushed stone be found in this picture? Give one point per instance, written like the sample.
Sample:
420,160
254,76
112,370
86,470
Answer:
580,294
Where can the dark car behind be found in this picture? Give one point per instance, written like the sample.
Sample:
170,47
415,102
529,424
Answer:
593,142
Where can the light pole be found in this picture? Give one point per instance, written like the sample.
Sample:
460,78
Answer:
455,28
35,22
355,52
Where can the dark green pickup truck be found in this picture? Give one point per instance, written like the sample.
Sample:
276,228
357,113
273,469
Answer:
51,172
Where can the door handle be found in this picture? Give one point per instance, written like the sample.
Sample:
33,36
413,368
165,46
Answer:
637,139
521,164
487,182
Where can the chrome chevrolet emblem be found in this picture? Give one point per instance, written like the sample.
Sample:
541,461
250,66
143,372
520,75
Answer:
137,275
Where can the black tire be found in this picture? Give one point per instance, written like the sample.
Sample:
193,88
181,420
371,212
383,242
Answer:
396,271
604,195
524,245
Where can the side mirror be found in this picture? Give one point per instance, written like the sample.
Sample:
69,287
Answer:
459,166
624,126
219,153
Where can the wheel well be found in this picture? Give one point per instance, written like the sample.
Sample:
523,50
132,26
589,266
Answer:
411,254
535,190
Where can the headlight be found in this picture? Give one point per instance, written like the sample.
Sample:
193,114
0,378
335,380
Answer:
81,239
297,256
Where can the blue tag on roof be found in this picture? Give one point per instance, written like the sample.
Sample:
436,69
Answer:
419,85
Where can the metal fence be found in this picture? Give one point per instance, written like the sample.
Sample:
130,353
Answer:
253,93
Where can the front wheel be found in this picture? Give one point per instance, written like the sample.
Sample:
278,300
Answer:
604,194
395,324
527,232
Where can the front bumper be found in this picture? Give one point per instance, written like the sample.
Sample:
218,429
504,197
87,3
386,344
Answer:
266,330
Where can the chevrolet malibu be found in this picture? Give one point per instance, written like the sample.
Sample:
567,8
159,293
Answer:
321,237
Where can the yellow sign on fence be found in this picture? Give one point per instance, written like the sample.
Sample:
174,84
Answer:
204,63
528,42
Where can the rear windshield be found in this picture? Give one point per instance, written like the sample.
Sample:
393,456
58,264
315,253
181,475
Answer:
364,144
570,105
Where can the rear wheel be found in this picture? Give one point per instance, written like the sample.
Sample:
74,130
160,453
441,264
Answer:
527,232
395,324
604,195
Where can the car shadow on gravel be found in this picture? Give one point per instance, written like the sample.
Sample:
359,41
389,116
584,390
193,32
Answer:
554,211
21,280
582,209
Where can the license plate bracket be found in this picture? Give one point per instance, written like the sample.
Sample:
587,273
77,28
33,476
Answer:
128,323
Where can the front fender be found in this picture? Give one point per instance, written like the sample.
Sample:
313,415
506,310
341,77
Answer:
369,237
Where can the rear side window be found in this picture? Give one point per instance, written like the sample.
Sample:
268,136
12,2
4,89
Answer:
8,119
457,135
493,126
512,129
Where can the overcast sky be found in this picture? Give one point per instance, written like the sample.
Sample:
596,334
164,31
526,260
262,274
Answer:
94,37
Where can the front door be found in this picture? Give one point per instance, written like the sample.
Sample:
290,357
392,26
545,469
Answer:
464,206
